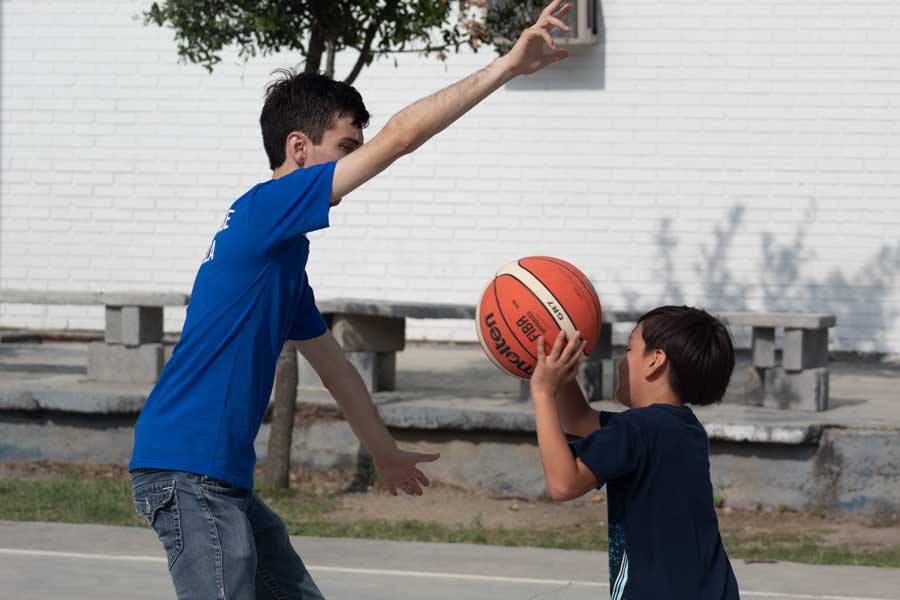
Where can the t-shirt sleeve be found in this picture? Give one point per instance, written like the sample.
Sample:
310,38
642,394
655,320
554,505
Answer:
293,205
308,322
613,451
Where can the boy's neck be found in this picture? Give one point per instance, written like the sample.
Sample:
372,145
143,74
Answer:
661,396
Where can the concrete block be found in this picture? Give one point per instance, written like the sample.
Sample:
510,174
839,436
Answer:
377,369
754,386
805,349
142,325
804,390
113,332
364,333
763,352
117,363
604,347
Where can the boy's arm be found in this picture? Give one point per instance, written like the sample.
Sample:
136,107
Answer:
397,468
414,125
575,414
567,477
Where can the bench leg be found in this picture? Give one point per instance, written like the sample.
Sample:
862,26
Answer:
763,347
377,369
121,364
134,325
802,390
805,349
595,376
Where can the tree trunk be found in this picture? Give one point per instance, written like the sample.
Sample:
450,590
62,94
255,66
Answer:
314,51
329,59
281,426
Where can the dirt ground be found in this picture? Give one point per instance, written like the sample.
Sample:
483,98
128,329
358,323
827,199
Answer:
453,506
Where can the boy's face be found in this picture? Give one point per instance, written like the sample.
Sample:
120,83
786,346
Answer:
337,142
631,367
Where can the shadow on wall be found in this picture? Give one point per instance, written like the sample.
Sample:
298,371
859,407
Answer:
584,69
860,297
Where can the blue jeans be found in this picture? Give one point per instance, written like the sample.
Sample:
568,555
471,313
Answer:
222,541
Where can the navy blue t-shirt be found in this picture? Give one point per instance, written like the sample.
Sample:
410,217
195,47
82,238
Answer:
664,537
251,294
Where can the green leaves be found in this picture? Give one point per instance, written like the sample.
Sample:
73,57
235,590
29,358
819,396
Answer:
313,28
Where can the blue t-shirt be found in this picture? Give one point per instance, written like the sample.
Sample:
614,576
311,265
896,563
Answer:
664,537
250,295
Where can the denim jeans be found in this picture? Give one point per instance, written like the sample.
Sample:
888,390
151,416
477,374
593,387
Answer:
221,541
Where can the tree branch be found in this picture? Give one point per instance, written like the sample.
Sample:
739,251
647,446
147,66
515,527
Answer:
364,53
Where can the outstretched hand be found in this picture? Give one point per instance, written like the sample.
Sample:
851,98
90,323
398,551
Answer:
527,55
399,471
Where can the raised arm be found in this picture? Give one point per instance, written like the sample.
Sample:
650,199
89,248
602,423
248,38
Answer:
417,123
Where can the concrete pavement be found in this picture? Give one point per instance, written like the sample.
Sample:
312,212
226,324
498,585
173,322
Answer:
39,561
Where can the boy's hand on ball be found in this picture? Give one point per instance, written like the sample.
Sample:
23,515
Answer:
553,371
398,471
527,56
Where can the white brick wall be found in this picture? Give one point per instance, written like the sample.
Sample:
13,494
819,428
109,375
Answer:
729,154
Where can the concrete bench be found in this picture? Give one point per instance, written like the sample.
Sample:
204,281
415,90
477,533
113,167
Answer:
373,331
800,382
132,350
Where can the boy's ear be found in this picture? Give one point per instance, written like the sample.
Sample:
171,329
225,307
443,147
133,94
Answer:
656,363
297,147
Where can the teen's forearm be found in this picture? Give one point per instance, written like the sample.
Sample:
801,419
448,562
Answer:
560,469
351,395
420,121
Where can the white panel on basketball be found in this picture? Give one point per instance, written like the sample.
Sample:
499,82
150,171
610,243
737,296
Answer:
543,294
481,339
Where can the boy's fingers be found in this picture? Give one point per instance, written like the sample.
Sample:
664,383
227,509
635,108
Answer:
541,353
558,346
573,347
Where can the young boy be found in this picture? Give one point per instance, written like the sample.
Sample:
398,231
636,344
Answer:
193,459
664,537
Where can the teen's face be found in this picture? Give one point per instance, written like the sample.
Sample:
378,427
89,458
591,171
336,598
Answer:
337,142
631,366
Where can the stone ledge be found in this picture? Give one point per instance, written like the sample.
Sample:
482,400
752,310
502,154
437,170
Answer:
85,398
503,414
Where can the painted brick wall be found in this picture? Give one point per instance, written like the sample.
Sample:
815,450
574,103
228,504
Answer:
728,154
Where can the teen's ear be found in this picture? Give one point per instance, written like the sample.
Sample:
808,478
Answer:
297,147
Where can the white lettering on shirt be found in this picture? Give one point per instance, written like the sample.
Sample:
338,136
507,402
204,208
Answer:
211,252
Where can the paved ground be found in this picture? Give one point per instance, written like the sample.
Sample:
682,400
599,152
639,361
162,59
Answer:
41,561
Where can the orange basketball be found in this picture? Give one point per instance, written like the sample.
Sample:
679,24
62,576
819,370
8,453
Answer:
534,296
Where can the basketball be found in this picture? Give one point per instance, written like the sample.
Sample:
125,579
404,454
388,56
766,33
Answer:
534,296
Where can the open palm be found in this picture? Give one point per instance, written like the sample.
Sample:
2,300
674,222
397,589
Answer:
528,55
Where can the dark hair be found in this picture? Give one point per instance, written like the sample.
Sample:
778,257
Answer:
307,102
699,350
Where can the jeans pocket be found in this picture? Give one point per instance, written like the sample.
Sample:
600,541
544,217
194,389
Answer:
158,504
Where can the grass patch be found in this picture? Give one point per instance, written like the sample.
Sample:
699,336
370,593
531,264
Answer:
811,552
64,497
67,500
567,538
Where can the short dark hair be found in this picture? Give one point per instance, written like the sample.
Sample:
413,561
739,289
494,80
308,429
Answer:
699,350
307,102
